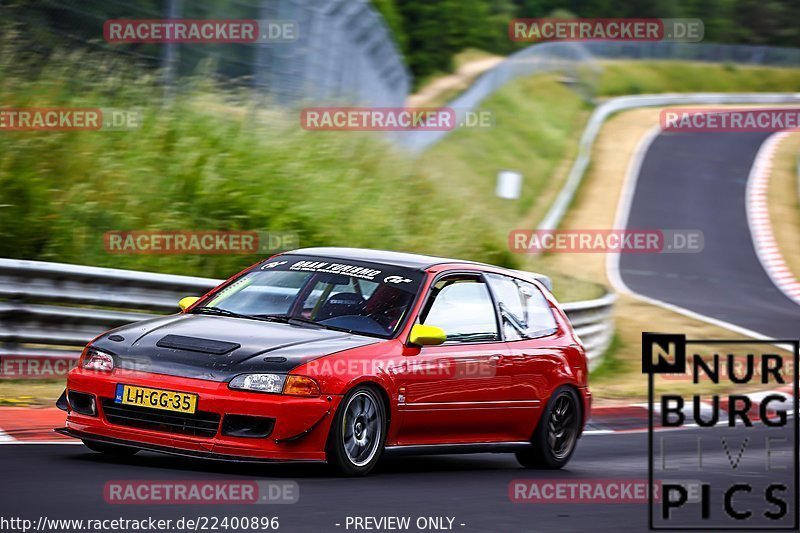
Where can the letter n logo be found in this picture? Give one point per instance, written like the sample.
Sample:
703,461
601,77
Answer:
663,353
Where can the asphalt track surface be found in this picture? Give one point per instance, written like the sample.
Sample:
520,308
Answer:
66,481
690,181
698,181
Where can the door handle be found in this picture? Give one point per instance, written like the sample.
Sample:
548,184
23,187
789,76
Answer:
496,358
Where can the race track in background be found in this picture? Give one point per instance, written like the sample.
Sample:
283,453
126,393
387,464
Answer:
699,181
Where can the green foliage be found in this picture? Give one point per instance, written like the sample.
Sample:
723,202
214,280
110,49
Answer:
215,159
611,365
210,160
436,30
391,15
620,78
536,123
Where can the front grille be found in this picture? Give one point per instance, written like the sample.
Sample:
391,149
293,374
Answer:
199,424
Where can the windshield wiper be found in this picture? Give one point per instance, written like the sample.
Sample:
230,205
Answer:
220,312
307,322
292,320
300,321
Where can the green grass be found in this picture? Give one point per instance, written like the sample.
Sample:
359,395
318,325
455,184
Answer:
39,392
621,78
216,159
211,160
610,365
536,124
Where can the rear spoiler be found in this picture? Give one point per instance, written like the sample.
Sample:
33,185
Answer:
541,278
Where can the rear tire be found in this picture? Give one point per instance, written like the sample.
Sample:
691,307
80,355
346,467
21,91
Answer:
358,433
556,435
114,450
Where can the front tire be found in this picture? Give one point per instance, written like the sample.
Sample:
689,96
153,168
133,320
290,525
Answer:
110,449
358,433
556,434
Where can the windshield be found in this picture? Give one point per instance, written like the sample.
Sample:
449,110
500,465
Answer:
354,296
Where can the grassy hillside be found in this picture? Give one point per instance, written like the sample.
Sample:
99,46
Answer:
627,77
211,159
214,159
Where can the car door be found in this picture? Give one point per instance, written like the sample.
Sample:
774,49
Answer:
457,392
531,334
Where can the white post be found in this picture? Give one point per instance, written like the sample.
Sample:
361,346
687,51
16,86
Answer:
509,184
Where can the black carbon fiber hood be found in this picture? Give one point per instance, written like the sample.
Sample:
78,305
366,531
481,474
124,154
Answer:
217,348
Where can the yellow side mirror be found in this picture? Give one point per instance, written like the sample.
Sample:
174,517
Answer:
186,302
423,335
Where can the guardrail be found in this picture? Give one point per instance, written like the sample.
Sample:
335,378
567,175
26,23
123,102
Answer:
49,311
581,62
54,309
622,103
593,321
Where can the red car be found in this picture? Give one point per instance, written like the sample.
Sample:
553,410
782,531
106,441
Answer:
341,355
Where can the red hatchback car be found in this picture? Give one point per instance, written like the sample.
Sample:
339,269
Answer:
341,355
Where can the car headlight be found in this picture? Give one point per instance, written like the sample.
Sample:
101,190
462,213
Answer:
276,384
259,382
94,359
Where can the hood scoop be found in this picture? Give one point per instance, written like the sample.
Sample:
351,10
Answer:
196,344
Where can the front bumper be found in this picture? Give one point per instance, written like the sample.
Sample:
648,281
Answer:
299,433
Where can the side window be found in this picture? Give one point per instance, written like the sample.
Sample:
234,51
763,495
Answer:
524,311
463,308
538,315
512,307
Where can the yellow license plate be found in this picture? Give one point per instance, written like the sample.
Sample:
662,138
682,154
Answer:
156,398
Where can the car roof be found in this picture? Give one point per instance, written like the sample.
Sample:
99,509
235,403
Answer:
400,259
407,260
